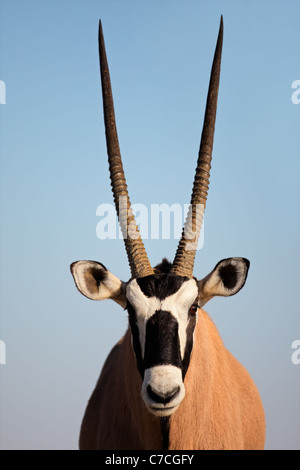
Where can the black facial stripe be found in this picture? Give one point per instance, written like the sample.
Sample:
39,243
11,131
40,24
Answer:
162,341
135,338
189,345
160,285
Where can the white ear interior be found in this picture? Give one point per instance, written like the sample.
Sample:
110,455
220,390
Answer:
94,281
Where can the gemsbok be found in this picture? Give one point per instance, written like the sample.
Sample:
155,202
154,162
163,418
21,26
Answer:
169,383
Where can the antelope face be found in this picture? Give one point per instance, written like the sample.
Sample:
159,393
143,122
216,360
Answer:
162,312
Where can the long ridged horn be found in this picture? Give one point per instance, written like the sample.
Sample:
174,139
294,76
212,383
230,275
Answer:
136,253
183,264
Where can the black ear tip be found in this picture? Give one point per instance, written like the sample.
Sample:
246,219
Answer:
247,262
72,266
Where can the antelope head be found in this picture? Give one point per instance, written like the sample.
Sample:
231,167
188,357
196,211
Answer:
162,302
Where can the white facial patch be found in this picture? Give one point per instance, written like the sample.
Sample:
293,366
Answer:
178,304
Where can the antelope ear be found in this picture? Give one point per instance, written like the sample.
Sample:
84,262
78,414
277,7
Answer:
227,278
94,281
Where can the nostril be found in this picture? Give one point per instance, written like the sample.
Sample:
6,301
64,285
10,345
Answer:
163,398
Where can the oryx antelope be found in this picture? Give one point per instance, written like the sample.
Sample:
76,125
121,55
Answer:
169,383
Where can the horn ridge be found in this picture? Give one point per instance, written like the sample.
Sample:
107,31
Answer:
136,253
183,264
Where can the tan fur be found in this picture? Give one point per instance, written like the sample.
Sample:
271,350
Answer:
116,416
221,409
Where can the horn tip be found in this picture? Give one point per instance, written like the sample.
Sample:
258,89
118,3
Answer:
221,26
100,31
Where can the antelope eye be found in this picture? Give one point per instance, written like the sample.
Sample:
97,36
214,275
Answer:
193,309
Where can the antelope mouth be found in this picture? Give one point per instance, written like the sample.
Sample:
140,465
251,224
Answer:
163,389
162,411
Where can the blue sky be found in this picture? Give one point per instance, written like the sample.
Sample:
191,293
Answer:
54,175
